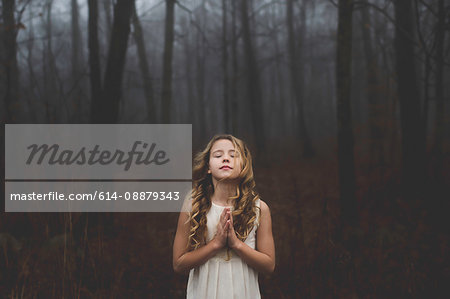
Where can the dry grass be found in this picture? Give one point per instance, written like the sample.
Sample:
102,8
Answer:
399,254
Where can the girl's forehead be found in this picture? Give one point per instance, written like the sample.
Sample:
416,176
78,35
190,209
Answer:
222,144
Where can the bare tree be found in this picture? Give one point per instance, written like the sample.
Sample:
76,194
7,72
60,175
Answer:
77,57
413,147
297,78
9,33
94,61
187,51
234,69
112,90
226,99
108,18
439,91
344,117
167,60
52,84
143,65
33,84
375,110
200,66
253,79
76,39
278,88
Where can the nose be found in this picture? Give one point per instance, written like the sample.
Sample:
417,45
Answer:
226,157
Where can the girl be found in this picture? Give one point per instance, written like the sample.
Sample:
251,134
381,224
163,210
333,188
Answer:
224,234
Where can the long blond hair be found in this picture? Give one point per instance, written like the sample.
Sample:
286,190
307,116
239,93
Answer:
245,209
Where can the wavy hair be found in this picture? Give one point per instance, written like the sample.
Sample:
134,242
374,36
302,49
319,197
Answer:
244,202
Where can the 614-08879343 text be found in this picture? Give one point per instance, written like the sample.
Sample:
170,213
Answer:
143,195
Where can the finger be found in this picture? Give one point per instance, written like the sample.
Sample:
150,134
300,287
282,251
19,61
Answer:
230,217
227,216
224,226
223,217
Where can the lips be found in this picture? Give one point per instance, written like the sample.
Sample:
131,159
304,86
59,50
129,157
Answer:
226,167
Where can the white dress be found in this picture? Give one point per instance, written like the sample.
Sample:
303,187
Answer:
219,278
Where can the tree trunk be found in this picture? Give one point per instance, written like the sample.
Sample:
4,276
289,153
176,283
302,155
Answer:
235,72
94,62
253,80
167,61
297,78
52,91
346,165
10,61
107,9
283,115
226,104
76,39
375,112
77,61
112,87
143,64
200,57
344,117
413,148
31,74
439,91
189,78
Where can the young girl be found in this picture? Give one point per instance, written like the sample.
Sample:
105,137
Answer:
224,234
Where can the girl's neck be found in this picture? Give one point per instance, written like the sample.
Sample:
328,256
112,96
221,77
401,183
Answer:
222,192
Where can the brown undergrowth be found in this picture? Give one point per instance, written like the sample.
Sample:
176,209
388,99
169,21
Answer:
401,250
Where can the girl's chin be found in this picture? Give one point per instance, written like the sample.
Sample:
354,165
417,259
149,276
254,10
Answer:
227,179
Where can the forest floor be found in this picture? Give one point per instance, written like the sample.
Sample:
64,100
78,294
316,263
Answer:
402,248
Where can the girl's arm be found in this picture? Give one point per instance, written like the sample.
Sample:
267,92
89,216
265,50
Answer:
184,260
262,259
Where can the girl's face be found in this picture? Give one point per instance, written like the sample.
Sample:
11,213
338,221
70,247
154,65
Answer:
224,160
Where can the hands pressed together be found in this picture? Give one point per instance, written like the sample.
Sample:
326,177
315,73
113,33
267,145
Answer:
225,234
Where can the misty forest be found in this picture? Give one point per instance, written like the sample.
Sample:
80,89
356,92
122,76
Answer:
344,104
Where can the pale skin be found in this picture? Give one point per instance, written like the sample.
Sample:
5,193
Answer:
262,259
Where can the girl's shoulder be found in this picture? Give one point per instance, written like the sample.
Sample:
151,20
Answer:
263,209
263,205
187,204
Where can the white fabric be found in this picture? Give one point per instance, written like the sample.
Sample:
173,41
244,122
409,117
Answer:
219,278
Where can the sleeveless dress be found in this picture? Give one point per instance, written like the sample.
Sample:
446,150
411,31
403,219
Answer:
222,279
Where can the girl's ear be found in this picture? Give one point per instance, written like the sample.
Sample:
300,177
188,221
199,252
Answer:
209,170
